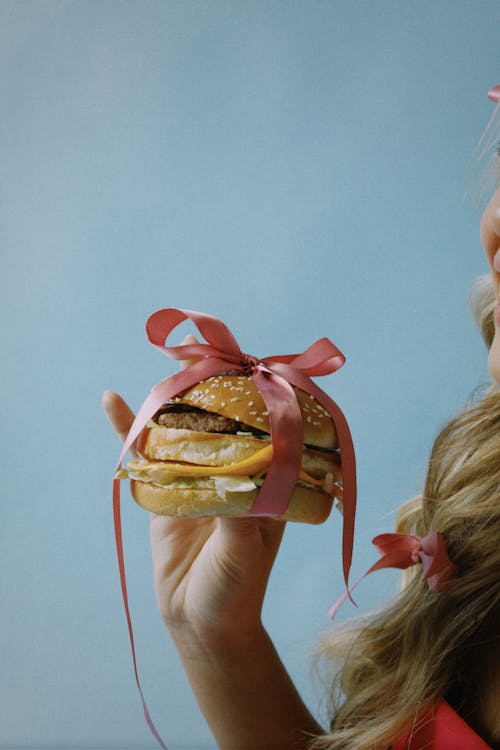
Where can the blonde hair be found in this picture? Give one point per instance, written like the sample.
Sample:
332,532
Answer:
484,167
390,667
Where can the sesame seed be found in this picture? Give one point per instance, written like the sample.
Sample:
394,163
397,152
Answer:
265,413
250,403
259,419
235,399
309,419
316,424
252,413
222,403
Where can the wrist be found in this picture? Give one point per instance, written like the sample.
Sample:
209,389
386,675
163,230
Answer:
208,639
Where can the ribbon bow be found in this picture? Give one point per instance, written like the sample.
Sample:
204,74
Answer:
274,377
404,550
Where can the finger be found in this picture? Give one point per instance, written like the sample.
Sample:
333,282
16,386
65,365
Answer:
119,415
189,339
270,530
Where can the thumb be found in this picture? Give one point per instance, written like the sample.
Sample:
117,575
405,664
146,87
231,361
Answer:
189,339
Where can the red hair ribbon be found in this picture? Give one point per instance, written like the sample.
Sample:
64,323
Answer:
404,550
274,377
494,94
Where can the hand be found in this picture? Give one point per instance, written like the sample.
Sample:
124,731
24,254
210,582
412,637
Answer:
210,574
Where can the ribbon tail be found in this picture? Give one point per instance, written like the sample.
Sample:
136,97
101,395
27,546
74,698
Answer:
123,582
394,559
160,393
347,459
348,466
346,595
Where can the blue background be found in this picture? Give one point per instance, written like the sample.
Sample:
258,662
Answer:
297,169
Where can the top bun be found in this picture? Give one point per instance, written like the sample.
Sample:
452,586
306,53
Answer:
237,397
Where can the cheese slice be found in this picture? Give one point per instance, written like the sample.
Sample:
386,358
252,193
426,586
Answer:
164,472
249,466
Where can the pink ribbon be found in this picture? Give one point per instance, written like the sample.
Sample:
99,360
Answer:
274,377
404,550
494,94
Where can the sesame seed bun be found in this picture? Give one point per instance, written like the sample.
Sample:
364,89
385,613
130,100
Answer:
306,504
237,397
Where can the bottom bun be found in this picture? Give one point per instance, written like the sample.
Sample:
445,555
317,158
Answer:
306,504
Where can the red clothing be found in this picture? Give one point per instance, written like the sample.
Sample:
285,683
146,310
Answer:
444,729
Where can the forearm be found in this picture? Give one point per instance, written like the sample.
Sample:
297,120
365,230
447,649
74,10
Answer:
245,693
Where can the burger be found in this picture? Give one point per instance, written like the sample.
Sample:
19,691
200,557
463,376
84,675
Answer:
206,453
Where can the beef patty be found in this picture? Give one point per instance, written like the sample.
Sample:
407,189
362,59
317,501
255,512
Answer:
184,417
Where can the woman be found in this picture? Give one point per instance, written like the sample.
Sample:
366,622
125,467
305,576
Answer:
424,673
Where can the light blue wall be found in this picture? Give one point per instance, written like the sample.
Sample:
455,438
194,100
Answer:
295,168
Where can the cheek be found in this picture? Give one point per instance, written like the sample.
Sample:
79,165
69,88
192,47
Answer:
494,357
490,228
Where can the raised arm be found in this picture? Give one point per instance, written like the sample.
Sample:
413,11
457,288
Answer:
210,579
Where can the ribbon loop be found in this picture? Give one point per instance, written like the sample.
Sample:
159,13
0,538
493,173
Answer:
220,339
321,358
410,550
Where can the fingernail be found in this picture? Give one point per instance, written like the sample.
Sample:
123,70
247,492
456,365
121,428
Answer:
494,94
189,339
